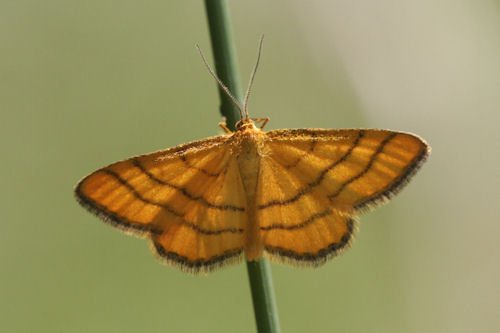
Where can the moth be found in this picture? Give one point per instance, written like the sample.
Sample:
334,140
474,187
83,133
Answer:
290,195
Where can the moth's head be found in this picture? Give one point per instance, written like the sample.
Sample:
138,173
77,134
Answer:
245,124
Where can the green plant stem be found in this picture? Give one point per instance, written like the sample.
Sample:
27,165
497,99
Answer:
226,63
259,272
264,301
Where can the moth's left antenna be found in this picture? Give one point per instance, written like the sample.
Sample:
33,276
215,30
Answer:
222,85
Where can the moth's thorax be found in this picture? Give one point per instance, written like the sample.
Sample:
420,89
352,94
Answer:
249,143
249,139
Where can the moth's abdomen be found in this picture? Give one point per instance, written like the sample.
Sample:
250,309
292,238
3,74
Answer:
249,166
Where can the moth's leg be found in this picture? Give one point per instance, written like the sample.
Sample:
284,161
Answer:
261,120
223,125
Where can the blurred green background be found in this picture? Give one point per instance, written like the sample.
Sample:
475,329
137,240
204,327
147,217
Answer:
86,83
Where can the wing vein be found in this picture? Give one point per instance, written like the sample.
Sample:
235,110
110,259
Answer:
367,167
298,225
184,191
309,187
394,187
167,208
202,170
314,142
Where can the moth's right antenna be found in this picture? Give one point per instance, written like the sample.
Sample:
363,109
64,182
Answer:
222,85
252,76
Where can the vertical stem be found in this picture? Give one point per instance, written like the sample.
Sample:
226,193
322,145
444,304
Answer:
259,272
226,63
264,301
